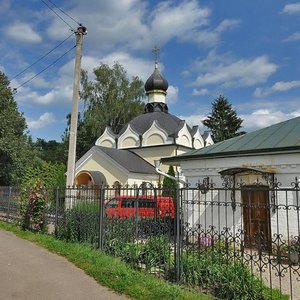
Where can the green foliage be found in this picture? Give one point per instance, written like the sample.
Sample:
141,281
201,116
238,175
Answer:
170,185
109,100
80,224
223,121
33,205
52,175
50,151
226,275
14,151
157,251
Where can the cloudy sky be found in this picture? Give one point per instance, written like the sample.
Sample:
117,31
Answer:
246,50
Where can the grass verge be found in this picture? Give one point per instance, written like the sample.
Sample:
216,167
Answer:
108,271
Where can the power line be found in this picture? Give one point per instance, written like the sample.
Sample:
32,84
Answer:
66,14
36,75
58,15
42,57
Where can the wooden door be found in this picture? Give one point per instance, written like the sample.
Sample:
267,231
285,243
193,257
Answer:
256,217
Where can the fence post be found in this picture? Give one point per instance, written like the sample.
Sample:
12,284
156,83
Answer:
101,217
56,208
177,247
8,205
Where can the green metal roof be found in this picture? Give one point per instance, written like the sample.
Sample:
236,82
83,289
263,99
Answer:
281,137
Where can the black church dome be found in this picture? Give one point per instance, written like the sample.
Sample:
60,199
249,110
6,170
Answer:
156,82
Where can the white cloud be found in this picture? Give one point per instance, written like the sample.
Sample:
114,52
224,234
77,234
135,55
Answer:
60,94
23,32
280,86
293,37
291,8
254,120
172,95
62,86
133,65
200,92
210,38
43,121
265,117
227,72
194,120
175,21
132,25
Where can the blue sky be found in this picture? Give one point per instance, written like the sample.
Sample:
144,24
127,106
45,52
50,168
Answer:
246,50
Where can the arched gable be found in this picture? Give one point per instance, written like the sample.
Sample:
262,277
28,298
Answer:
209,140
184,137
198,140
129,139
107,139
155,135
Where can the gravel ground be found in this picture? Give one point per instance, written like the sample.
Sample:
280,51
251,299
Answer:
288,282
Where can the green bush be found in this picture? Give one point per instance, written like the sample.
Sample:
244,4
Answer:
33,202
80,223
156,251
218,269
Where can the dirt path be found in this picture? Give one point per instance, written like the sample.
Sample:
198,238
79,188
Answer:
30,272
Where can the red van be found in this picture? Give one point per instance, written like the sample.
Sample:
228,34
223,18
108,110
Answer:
146,207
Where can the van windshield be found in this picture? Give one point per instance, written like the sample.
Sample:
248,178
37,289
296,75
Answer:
112,203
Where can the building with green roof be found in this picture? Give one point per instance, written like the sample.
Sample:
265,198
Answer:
257,167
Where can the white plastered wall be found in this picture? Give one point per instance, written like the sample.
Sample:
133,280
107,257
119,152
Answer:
285,166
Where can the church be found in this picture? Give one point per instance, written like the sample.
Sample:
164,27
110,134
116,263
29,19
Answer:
127,157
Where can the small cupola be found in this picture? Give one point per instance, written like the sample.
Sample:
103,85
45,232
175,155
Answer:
156,85
156,82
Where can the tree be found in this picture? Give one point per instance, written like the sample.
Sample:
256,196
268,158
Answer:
111,99
170,185
50,151
14,149
223,121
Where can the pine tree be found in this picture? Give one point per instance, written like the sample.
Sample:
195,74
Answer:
169,185
223,121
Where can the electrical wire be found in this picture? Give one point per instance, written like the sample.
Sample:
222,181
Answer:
42,57
58,15
66,14
36,75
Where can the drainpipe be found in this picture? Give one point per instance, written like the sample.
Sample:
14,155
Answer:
157,164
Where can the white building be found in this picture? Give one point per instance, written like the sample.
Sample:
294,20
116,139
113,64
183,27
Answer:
127,157
262,171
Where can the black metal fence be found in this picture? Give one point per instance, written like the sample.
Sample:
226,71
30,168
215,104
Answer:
236,241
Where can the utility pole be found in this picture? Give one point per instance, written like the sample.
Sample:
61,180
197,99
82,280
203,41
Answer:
81,31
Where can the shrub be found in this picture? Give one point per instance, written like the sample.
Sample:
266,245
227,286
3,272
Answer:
80,223
218,269
33,205
156,251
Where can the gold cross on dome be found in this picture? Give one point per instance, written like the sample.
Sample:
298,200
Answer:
155,51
